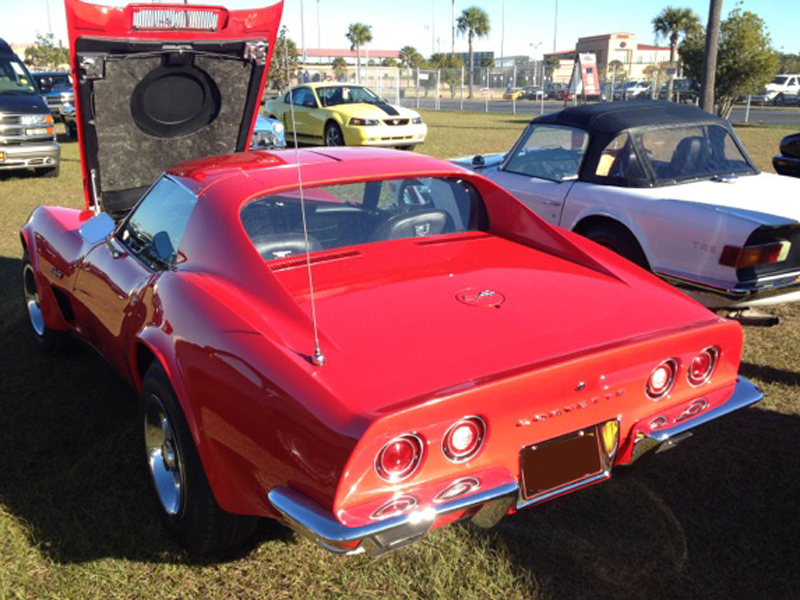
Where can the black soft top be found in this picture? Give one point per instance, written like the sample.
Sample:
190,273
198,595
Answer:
614,118
604,122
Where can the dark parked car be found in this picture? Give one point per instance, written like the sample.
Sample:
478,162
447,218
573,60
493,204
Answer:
788,161
56,89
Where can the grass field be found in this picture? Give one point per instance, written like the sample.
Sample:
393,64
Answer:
718,517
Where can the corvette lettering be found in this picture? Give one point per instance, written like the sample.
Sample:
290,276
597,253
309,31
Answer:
570,408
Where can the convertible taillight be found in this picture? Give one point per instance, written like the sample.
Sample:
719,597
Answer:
702,366
398,459
661,379
750,256
464,439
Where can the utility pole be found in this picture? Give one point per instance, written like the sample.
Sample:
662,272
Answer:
453,46
710,56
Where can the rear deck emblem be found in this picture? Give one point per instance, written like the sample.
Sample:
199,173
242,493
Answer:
480,297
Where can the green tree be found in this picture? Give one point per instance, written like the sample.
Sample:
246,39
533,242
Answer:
339,66
670,23
616,72
449,66
746,60
409,57
389,62
472,22
44,54
358,34
789,63
285,64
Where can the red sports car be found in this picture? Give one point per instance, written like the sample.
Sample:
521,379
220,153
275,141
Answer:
364,344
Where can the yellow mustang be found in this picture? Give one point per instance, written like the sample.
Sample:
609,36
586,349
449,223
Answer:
340,114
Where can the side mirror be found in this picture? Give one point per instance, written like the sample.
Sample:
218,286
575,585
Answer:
97,228
478,162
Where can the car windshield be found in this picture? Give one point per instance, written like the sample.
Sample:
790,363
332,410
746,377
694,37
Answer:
53,82
698,151
549,152
346,94
14,78
359,213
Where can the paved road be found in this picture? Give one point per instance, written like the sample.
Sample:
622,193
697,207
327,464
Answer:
788,117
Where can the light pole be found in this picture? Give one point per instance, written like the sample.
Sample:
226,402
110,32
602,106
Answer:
555,28
319,43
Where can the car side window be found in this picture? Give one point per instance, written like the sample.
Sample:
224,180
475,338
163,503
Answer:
304,97
153,231
549,152
619,160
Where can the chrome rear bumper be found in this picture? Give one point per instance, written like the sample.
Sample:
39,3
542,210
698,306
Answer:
321,526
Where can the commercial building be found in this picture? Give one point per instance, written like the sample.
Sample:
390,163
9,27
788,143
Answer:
633,57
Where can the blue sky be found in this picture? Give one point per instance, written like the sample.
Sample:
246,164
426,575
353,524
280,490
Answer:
517,26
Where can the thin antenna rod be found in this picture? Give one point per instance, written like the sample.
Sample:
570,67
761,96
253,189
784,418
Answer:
317,359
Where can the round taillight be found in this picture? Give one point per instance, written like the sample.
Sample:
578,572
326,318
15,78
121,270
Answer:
394,507
702,366
464,439
398,459
661,379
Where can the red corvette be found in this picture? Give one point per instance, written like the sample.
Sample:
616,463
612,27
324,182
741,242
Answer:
364,344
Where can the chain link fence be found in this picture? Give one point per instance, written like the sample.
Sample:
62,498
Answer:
525,89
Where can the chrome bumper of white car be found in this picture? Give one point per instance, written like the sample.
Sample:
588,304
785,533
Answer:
778,289
309,519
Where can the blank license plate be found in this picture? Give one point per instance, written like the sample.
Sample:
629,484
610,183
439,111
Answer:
560,461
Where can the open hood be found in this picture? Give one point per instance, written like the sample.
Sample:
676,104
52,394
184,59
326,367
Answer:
159,84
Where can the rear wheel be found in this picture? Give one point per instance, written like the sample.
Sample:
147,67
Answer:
46,339
333,135
779,100
186,503
618,239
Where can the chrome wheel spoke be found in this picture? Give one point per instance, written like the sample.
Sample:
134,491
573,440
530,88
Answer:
163,456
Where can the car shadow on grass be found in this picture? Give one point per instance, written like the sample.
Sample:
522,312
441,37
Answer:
72,464
715,517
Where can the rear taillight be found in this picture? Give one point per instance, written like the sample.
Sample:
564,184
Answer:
661,379
398,459
702,366
464,439
750,256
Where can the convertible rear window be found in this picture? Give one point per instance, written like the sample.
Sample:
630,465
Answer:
360,213
692,152
549,152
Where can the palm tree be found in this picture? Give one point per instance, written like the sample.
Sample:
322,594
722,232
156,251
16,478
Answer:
410,57
473,21
671,23
358,34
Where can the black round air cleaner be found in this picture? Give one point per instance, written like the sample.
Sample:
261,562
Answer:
175,100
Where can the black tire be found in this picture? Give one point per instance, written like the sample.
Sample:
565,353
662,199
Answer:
333,134
409,147
618,239
46,339
184,498
779,100
72,131
51,172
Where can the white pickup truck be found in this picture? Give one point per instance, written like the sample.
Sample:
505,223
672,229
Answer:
783,90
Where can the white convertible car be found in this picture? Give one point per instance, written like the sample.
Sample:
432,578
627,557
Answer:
669,187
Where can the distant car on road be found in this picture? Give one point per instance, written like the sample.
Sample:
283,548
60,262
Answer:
668,186
783,90
513,94
633,90
683,90
788,161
